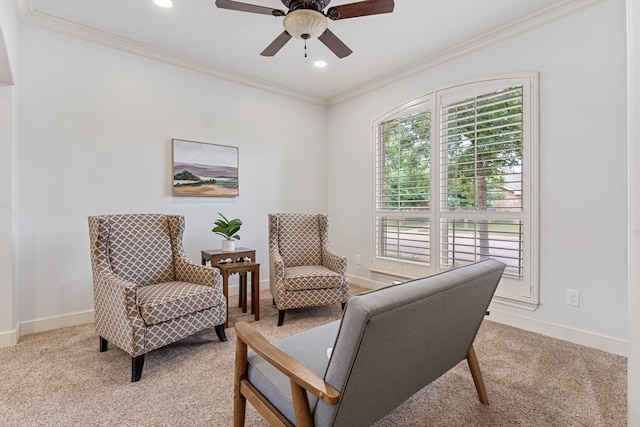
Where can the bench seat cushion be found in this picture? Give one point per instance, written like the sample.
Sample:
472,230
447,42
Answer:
311,348
165,301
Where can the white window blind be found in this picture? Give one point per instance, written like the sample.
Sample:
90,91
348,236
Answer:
403,165
465,241
481,141
455,183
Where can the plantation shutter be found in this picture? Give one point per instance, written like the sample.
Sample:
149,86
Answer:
481,180
403,193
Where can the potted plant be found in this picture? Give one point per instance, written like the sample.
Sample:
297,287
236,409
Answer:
227,229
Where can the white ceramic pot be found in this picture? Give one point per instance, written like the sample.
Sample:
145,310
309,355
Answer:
228,245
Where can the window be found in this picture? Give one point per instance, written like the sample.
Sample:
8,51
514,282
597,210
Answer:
404,185
455,179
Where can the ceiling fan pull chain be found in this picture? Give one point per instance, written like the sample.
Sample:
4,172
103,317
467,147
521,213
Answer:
305,37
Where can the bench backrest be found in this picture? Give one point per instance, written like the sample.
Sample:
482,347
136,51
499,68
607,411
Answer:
396,340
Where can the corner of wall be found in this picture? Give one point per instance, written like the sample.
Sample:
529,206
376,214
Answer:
9,338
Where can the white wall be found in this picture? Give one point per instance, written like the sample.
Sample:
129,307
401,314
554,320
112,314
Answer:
7,283
94,138
8,76
583,191
633,82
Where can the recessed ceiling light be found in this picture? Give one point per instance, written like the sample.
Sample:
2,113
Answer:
320,64
163,3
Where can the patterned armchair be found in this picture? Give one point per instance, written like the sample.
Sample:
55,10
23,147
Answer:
147,294
304,272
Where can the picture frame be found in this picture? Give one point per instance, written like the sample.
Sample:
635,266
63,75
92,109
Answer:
204,169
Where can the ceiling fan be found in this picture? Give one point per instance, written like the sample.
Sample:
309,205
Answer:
305,19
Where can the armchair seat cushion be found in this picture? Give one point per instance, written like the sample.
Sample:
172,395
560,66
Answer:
165,301
306,277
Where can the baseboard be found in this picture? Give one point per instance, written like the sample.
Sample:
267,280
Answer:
366,283
8,338
56,322
11,338
577,336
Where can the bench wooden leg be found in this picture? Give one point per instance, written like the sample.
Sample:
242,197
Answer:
474,367
239,401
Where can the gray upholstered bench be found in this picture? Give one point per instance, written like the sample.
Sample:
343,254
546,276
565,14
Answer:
390,343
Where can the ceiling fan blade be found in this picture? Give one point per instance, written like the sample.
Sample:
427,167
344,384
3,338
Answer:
277,44
244,7
336,45
361,8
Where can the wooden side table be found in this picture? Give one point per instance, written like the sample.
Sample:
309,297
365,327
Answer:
242,268
217,255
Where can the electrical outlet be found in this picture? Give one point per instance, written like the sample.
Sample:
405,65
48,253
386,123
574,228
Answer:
358,260
573,297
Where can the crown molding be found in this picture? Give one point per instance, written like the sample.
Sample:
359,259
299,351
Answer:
525,24
27,14
109,40
23,8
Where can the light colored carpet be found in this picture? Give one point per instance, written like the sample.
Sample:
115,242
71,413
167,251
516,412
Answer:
59,378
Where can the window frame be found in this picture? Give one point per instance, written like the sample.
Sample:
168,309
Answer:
521,293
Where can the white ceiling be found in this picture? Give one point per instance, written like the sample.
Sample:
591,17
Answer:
198,35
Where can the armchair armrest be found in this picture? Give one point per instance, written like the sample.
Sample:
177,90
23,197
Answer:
116,309
334,262
187,271
277,264
299,374
112,284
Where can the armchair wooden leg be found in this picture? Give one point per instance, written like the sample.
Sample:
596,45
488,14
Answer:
103,345
136,367
239,401
474,367
220,332
281,317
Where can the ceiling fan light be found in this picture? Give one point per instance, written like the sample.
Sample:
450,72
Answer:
301,22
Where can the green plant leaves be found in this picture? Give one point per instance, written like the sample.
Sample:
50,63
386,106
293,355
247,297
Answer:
227,228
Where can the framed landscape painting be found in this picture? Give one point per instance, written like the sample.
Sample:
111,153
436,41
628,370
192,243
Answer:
201,169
